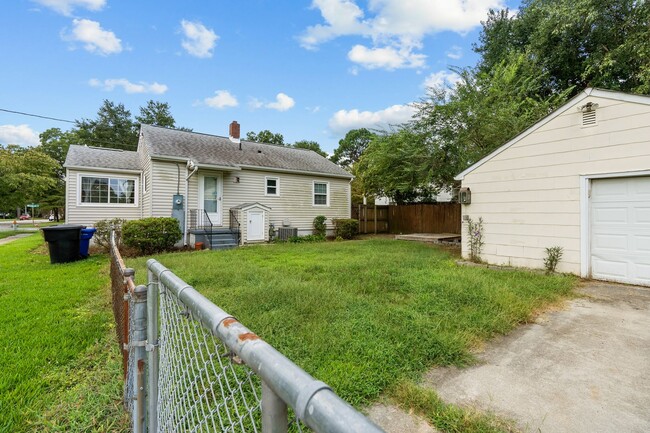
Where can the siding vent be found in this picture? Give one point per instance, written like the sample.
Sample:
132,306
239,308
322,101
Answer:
588,114
589,118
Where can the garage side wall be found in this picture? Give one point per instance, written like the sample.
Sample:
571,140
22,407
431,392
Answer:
529,194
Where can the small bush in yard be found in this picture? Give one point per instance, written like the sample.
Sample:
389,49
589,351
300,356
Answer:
151,235
553,256
305,239
475,239
347,228
320,229
102,236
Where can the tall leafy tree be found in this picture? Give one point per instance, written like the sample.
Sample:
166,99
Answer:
352,146
26,175
577,43
156,113
266,136
310,145
398,165
112,128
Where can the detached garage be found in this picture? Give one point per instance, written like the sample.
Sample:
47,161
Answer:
578,179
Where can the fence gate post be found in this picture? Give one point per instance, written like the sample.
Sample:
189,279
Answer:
274,412
138,346
152,352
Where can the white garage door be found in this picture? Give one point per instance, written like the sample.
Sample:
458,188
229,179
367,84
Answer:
620,229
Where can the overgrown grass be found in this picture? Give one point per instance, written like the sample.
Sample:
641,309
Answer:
365,315
60,364
443,416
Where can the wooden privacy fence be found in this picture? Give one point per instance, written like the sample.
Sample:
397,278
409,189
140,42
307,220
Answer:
409,218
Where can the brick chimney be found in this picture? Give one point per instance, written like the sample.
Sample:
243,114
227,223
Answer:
234,132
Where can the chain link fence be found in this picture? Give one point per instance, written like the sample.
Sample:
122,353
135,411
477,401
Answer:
191,367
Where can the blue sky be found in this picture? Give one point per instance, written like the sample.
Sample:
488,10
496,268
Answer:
307,69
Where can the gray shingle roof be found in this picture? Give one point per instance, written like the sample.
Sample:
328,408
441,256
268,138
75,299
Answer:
82,156
220,151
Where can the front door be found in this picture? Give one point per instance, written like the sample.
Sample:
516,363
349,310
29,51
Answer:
255,225
210,188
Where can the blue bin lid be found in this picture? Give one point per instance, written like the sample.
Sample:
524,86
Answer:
87,231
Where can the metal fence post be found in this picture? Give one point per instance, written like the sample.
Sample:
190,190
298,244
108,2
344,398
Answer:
274,412
152,352
138,345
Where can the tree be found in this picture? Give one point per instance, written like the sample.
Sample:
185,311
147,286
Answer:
397,165
577,43
352,146
265,136
112,128
310,145
156,113
26,175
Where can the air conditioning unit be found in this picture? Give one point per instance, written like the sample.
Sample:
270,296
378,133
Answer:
285,233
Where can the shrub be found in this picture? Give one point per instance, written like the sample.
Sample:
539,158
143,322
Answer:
475,239
151,235
102,236
347,228
306,239
320,229
553,256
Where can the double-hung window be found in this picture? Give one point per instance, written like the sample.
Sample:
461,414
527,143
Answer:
107,190
321,194
272,186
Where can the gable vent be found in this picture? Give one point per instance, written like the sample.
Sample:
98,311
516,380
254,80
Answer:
588,118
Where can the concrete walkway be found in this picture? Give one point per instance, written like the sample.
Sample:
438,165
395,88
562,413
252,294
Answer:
13,238
585,368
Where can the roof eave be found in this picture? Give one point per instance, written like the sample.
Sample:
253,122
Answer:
92,168
287,170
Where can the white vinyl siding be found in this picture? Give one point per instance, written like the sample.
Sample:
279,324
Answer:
296,203
529,194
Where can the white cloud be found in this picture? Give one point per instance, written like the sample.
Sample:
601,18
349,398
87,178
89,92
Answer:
66,7
395,25
199,40
441,79
282,102
386,58
342,17
95,39
221,99
255,103
455,52
344,120
129,87
22,135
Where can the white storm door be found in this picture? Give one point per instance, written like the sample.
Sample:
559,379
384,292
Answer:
620,229
255,225
210,188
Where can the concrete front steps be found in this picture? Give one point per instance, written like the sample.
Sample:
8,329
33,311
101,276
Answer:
218,239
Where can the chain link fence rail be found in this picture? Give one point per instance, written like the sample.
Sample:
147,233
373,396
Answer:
192,367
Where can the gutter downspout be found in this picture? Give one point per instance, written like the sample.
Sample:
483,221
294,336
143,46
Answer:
191,165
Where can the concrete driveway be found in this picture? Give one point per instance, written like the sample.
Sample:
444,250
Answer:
585,368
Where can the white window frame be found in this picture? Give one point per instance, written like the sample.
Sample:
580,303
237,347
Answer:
277,186
313,193
136,186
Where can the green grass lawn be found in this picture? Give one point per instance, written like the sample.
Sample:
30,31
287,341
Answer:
60,366
366,316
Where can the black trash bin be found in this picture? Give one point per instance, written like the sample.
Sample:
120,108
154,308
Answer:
63,242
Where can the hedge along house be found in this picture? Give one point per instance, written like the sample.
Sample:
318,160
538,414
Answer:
578,179
219,188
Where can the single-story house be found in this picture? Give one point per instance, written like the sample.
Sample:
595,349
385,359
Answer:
578,179
223,184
